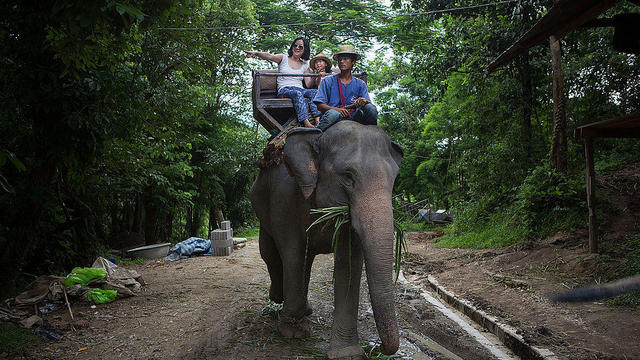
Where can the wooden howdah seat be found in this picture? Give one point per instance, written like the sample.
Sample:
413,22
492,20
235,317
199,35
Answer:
269,110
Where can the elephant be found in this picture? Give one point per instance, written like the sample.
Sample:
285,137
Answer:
348,164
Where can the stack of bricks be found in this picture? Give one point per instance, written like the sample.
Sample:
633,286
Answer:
222,239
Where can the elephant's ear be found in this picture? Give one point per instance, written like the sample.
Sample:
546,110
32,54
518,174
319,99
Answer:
396,152
300,157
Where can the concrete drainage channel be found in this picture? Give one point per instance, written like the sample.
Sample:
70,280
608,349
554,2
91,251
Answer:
513,345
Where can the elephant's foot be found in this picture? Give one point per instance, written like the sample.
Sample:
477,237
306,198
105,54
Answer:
294,328
275,294
351,352
308,310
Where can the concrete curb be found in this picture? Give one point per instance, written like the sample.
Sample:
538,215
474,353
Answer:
505,333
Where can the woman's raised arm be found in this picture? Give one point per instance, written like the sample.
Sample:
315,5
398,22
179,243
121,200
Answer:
277,58
308,80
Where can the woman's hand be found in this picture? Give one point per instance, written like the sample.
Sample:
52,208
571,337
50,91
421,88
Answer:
308,124
250,53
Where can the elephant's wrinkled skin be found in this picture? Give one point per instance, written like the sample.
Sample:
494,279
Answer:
349,164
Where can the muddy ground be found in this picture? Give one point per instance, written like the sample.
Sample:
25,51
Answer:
217,307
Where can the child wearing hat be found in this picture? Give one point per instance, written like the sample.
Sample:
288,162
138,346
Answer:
319,64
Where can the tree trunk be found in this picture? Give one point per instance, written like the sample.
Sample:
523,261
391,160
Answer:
195,222
150,219
527,105
559,139
189,221
115,221
213,224
219,217
169,227
137,216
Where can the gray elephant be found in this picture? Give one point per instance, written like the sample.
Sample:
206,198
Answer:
349,164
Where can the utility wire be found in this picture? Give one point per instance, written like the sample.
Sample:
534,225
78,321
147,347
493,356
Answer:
340,20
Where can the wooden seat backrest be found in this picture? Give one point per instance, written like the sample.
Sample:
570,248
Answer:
269,84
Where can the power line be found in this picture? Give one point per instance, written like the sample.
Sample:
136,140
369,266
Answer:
337,21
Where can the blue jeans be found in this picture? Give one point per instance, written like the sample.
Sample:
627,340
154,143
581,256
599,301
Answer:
366,115
297,95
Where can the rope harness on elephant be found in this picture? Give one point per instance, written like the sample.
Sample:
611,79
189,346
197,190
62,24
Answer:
272,154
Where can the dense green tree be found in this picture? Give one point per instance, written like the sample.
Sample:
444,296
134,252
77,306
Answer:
328,24
104,109
481,135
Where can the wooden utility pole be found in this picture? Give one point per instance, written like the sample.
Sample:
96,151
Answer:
591,181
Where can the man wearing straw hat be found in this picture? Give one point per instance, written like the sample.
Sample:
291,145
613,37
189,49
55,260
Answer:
339,95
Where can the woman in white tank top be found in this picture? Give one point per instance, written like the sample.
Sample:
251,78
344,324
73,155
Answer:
291,86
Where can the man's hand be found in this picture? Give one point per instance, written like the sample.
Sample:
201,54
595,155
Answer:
361,102
343,112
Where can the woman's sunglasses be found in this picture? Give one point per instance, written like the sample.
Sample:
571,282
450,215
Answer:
298,47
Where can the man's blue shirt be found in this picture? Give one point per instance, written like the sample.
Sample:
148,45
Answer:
328,92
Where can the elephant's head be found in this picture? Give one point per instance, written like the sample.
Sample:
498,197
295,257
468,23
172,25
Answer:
355,165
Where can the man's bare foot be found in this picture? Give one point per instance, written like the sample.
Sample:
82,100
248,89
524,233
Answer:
308,124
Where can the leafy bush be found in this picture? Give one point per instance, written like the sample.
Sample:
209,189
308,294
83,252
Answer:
545,202
247,232
498,231
416,226
548,201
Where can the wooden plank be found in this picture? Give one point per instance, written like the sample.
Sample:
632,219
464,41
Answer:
609,133
593,240
627,126
268,121
277,103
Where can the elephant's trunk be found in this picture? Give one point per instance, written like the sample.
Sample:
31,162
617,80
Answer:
372,219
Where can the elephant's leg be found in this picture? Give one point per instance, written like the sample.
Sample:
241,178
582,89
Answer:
271,257
292,321
344,334
307,273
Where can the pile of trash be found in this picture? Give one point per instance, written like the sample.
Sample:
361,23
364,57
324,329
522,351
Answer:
101,283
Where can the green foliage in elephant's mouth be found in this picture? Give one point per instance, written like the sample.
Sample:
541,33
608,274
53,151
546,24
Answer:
340,216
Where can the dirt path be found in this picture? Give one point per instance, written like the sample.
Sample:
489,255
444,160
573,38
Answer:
514,284
217,308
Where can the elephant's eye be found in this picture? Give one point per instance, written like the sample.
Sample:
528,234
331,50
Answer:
349,179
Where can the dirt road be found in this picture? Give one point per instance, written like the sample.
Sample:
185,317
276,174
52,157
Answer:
217,308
